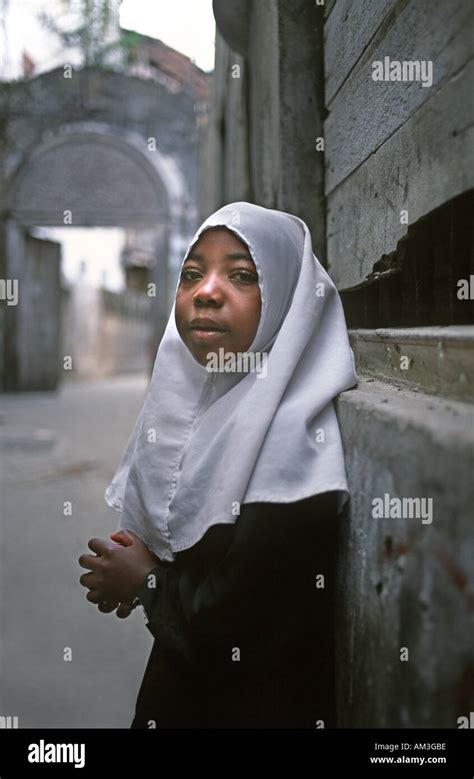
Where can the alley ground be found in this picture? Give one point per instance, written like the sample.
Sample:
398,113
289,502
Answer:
56,447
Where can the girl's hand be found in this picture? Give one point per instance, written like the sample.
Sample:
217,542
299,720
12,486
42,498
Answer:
123,609
118,571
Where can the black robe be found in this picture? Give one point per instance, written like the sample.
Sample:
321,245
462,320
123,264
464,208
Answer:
244,629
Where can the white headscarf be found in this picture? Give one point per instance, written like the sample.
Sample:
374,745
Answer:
207,442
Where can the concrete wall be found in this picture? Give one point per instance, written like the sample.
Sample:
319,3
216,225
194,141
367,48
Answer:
404,586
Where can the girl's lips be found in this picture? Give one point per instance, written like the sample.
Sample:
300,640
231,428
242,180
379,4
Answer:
200,334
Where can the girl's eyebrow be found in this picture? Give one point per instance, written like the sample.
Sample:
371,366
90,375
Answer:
230,256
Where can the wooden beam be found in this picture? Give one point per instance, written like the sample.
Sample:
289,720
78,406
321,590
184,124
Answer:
365,112
349,29
428,161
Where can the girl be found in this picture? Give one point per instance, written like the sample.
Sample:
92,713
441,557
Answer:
231,485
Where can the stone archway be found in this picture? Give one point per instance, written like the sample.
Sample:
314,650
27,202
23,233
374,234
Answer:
104,175
84,174
110,148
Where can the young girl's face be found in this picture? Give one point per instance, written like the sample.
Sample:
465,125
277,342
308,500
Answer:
218,300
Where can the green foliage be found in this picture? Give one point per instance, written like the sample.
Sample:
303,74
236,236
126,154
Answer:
84,26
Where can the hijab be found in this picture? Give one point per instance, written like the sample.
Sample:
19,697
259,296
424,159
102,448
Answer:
208,441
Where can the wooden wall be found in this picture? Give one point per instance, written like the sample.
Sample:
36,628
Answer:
393,146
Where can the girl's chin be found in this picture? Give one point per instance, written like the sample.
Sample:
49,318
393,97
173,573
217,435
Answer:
206,357
203,351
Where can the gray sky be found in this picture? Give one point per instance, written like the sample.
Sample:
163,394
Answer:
186,25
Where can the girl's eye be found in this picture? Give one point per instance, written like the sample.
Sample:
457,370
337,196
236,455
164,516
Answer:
186,274
245,276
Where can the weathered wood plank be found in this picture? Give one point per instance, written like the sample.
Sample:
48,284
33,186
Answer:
365,112
425,163
348,31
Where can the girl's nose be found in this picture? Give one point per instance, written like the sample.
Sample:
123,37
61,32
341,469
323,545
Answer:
209,288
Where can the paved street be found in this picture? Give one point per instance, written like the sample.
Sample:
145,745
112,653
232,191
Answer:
59,447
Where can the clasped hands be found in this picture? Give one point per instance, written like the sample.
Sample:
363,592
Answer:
117,571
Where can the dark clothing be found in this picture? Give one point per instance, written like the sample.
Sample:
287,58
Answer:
244,631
